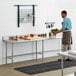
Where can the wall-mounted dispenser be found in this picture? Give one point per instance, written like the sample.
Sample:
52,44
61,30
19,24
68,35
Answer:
49,24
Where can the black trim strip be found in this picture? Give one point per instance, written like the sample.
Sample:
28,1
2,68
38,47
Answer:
18,16
33,15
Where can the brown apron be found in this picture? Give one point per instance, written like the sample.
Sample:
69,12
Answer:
67,38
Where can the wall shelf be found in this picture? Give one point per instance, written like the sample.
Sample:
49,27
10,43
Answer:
33,14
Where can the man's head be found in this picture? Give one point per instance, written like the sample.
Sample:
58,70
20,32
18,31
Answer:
63,14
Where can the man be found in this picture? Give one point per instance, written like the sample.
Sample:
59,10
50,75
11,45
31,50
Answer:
66,29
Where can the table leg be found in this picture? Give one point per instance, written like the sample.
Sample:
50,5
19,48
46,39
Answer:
32,51
12,53
6,52
42,50
62,66
36,50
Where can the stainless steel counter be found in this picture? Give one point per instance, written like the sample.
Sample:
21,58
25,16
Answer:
6,40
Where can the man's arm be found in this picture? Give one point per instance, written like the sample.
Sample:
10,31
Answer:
59,31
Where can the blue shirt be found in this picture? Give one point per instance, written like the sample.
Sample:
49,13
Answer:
66,24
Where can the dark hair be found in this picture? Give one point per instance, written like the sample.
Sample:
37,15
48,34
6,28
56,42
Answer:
65,12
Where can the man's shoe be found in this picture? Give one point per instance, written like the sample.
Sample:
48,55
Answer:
68,59
59,59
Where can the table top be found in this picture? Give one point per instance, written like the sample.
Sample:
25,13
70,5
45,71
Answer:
21,40
72,74
66,54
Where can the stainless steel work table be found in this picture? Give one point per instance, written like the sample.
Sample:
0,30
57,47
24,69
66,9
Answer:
65,54
25,41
